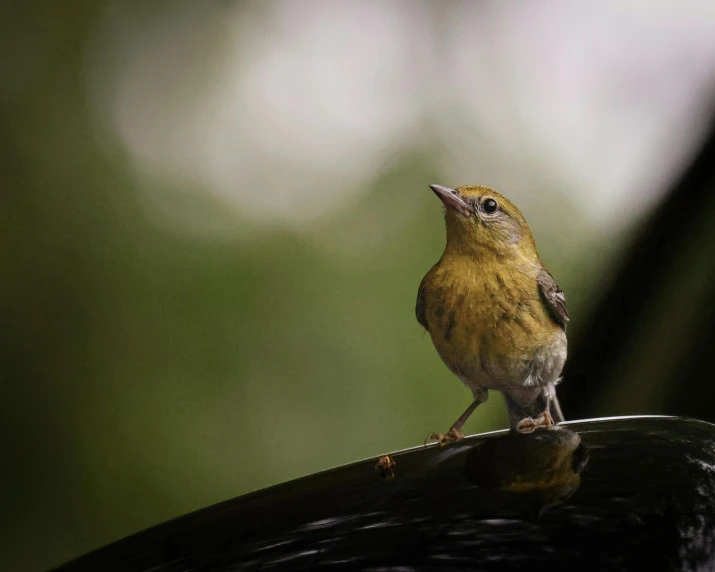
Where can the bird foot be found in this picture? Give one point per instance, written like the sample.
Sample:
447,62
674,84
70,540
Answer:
452,436
529,425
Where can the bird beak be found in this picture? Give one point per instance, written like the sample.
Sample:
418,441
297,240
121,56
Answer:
451,199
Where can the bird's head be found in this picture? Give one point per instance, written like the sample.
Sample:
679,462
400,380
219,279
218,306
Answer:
480,218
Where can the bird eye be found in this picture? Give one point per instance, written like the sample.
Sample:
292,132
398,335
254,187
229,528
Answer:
490,206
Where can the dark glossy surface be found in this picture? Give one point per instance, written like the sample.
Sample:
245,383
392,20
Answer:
623,494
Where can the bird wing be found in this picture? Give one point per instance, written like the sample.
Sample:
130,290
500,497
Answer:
554,297
421,307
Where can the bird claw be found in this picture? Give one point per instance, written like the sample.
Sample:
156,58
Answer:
529,425
452,436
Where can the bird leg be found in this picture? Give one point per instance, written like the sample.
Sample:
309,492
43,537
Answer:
455,431
523,405
554,406
451,436
529,425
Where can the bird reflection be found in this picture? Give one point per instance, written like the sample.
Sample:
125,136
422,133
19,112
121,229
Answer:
539,470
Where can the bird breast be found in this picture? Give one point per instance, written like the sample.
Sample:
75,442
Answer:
492,329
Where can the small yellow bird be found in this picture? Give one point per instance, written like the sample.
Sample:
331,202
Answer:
495,314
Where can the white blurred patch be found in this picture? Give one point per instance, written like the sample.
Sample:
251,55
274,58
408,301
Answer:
284,108
287,109
607,99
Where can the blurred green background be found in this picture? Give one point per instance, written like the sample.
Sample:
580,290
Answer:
215,217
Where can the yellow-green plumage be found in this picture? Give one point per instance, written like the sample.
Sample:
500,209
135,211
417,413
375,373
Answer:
495,315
